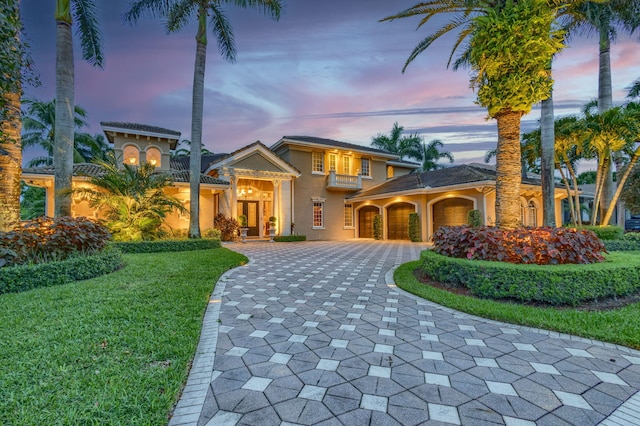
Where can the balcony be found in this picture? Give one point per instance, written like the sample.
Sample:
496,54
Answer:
344,182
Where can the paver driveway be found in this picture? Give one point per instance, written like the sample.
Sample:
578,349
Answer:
315,333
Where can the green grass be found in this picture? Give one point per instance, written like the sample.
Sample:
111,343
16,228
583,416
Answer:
620,326
111,350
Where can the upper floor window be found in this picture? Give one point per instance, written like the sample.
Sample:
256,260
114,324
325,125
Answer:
333,162
154,157
131,155
317,159
389,172
346,165
365,167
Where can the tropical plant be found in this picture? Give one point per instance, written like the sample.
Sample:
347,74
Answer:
84,14
177,14
403,146
431,154
33,202
132,200
184,149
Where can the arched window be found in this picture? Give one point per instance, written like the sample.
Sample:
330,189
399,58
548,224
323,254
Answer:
532,214
154,157
131,155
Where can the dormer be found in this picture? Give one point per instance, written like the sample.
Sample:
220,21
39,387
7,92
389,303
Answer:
134,143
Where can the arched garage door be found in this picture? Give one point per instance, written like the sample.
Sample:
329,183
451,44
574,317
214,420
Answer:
365,221
451,212
398,221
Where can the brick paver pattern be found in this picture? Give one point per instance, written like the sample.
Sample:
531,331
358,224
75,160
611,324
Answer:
316,333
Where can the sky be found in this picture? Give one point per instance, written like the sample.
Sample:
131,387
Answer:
327,69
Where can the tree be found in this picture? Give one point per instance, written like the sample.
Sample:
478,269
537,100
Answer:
33,202
184,148
66,12
431,154
178,13
403,146
12,58
634,90
132,199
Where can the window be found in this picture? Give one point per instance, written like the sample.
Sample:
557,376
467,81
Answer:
389,172
318,214
153,156
318,162
348,215
131,155
333,162
532,220
365,169
346,165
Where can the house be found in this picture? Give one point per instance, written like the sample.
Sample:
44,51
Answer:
321,188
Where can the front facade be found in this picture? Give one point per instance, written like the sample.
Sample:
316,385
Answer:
321,188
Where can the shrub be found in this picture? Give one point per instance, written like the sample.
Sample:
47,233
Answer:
158,246
377,227
558,284
474,218
79,267
44,240
621,245
414,228
608,232
228,226
289,238
525,245
631,236
242,219
212,233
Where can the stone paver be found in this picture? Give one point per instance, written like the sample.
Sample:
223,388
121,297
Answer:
317,333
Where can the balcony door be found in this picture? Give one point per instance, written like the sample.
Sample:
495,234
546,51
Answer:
250,209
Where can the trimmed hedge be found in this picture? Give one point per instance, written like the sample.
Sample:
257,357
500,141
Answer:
415,234
14,279
621,245
158,246
618,275
608,232
289,238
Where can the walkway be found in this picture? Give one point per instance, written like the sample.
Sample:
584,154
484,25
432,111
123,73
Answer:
316,333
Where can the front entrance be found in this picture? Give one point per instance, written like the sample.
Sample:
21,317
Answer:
398,221
365,221
250,209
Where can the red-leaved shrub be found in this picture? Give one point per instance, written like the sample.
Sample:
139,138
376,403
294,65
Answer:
45,239
542,246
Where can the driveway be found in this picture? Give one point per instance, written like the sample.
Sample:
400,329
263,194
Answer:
316,333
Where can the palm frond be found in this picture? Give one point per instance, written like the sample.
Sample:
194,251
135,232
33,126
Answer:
84,13
222,30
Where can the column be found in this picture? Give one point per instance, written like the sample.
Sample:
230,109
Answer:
276,204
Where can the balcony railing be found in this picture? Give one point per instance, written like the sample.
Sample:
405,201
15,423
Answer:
344,182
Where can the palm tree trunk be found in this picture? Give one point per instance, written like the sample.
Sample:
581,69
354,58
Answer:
197,109
508,170
10,162
574,179
569,199
621,181
64,126
605,103
547,146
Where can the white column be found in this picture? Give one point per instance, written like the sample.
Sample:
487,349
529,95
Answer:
234,196
276,204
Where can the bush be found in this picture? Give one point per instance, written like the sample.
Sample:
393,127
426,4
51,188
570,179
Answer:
26,277
414,228
377,227
228,226
541,246
44,240
158,246
608,232
559,284
631,236
289,238
622,245
212,233
474,218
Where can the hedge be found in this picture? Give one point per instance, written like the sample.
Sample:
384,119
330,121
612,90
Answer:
608,232
289,238
621,245
158,246
14,279
618,275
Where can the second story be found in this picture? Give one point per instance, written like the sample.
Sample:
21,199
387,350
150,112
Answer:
346,167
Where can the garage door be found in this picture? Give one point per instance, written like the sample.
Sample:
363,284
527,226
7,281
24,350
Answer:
398,221
451,212
365,221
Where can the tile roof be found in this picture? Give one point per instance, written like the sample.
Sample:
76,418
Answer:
182,162
338,144
139,127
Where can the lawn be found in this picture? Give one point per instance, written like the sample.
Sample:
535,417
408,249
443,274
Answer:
111,350
620,326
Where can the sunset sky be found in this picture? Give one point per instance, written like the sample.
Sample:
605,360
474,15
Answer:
327,69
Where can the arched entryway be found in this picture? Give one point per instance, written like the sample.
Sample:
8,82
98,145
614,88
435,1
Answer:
365,221
398,221
451,212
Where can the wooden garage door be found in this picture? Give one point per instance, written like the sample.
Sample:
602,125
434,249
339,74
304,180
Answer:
365,221
398,221
451,212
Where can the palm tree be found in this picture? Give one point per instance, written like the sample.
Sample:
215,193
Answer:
634,90
66,12
403,146
184,149
178,13
12,59
132,199
511,44
431,154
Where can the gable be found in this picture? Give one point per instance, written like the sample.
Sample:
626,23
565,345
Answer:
256,161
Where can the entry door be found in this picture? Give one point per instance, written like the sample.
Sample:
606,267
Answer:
250,209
